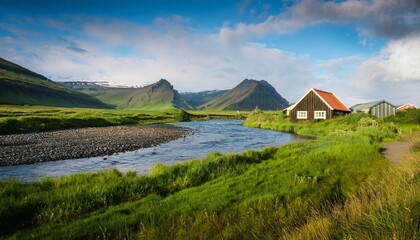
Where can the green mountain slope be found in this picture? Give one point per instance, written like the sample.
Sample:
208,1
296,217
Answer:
197,99
248,95
160,95
20,86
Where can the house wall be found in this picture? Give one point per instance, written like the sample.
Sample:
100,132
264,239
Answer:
383,109
311,103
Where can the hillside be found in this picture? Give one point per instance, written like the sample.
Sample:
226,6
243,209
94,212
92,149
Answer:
197,99
20,86
248,95
160,95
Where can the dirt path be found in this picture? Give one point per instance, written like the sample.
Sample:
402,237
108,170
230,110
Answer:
395,151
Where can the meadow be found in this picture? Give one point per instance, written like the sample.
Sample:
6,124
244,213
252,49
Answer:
24,119
331,186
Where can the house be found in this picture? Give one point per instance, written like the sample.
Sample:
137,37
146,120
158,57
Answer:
288,110
405,107
379,108
318,104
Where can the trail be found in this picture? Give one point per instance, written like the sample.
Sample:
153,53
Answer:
395,151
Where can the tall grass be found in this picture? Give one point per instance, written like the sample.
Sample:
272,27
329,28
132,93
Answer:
385,207
52,201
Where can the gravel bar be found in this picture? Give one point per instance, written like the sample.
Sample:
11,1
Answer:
31,148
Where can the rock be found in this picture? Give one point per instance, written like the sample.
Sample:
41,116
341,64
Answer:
85,142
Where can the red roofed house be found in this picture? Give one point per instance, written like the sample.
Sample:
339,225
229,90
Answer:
318,104
405,107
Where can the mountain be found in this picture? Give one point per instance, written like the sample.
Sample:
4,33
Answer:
248,95
20,86
91,88
159,95
197,99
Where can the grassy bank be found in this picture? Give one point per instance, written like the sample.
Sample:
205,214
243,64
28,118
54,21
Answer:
217,114
387,204
322,188
22,119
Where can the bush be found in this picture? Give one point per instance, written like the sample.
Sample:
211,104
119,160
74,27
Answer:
409,116
184,116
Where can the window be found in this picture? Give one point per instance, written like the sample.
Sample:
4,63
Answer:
302,115
320,115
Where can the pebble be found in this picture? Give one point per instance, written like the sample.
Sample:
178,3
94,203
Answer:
30,148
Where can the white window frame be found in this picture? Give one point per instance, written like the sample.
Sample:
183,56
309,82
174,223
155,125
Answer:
320,114
302,115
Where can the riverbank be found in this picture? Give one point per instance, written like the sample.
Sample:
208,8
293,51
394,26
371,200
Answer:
31,148
29,119
330,187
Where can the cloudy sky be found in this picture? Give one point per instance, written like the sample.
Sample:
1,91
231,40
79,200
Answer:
360,50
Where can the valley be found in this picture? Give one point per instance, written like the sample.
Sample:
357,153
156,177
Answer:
227,120
186,176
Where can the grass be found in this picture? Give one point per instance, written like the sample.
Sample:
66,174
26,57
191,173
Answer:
383,208
217,114
20,86
326,188
408,120
341,126
22,119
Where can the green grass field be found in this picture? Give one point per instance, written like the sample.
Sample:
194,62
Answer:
21,86
21,119
330,187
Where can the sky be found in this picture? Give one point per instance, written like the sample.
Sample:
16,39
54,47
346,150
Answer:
360,50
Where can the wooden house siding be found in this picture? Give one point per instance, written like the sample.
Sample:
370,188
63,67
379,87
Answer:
311,103
382,110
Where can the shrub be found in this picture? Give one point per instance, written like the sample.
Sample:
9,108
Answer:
184,116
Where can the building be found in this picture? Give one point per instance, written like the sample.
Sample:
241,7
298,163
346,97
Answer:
405,107
379,108
288,110
318,104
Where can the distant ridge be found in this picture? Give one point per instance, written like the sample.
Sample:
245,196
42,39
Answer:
248,95
198,99
156,96
20,86
161,95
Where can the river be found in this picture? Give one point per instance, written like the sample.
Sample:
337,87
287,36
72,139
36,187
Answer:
207,136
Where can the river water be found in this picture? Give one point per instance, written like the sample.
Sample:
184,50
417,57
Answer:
207,136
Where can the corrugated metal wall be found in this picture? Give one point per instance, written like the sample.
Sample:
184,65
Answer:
383,110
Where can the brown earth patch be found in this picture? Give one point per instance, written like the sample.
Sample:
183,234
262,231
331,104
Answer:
395,151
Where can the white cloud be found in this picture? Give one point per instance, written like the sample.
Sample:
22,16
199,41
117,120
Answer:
385,18
169,48
398,62
190,61
393,74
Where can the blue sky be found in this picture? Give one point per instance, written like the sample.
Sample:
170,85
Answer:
360,50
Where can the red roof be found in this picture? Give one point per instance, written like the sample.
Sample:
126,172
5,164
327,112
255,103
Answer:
331,100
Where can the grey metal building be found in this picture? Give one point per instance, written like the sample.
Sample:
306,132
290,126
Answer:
378,108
